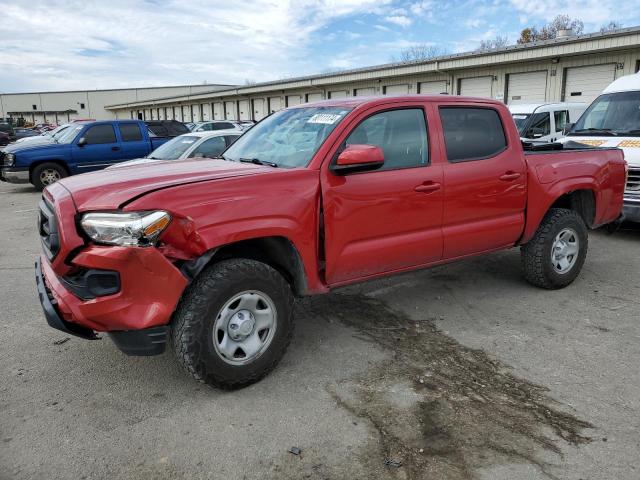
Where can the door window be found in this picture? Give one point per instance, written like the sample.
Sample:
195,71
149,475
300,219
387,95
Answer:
472,133
402,135
130,132
561,118
210,148
100,134
540,126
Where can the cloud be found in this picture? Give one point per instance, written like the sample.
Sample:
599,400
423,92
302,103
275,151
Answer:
400,20
474,22
592,12
96,44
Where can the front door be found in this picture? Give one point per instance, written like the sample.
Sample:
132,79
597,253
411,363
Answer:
389,219
484,181
101,148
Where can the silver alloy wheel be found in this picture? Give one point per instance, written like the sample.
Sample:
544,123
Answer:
245,327
49,176
564,251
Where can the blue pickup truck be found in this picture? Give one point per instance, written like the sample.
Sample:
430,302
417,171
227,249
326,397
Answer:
84,147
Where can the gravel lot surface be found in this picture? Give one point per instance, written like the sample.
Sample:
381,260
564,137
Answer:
459,372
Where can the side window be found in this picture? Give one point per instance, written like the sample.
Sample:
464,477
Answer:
562,118
402,135
231,139
472,133
540,125
222,126
100,134
130,132
210,148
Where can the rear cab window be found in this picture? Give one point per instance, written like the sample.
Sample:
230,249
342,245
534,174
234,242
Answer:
130,132
472,133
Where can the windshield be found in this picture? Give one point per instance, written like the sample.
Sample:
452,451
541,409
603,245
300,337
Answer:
521,120
69,134
613,113
288,138
56,132
175,147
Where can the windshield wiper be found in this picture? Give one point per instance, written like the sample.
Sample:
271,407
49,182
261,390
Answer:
597,131
635,131
257,161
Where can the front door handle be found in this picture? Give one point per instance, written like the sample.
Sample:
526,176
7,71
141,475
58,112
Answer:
427,187
510,176
115,149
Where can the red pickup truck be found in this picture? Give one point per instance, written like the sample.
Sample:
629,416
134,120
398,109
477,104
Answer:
209,254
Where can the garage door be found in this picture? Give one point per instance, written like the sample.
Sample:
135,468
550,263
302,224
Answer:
433,88
583,84
230,110
245,109
195,113
259,109
218,111
530,87
293,100
186,113
314,97
206,112
337,94
476,87
396,89
361,92
275,104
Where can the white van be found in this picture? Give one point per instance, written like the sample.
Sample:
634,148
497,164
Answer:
613,120
544,122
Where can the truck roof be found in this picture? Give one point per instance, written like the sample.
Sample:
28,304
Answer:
352,102
624,84
545,106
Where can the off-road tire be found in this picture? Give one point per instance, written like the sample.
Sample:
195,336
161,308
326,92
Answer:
193,322
37,171
536,254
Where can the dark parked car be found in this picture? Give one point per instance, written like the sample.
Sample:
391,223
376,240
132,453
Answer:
6,134
24,132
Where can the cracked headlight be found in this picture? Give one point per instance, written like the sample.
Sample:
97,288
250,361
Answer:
139,229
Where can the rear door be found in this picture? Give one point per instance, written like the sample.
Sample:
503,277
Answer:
101,149
133,142
484,180
388,219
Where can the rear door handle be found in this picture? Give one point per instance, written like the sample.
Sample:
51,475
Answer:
509,176
115,149
427,187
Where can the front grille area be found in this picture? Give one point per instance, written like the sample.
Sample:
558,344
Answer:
2,155
633,181
48,229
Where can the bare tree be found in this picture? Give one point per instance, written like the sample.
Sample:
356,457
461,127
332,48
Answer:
612,25
492,44
550,30
249,81
419,52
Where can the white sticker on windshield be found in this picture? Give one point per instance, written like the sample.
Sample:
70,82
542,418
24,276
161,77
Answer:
326,118
519,117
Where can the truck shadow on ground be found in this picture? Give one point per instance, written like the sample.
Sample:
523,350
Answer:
439,408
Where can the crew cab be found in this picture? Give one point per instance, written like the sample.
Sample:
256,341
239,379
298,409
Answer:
209,254
81,147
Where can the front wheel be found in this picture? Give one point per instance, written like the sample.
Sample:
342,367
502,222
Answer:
47,173
554,257
234,323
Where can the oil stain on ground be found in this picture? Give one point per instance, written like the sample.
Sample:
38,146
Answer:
441,409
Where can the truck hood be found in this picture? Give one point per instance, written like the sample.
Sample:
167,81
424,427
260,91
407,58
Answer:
629,145
112,188
37,142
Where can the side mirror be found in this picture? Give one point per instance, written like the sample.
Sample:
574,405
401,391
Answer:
358,158
82,142
567,128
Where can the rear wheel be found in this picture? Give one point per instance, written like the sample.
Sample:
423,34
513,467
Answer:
554,257
234,323
46,174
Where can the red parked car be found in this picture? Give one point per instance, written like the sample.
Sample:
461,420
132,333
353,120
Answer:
210,254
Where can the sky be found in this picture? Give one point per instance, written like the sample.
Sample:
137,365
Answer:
84,44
